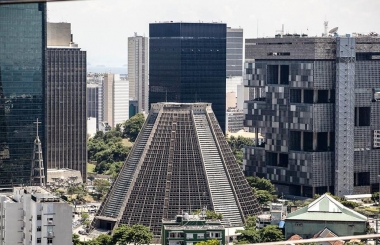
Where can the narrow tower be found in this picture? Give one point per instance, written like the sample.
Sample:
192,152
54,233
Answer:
37,175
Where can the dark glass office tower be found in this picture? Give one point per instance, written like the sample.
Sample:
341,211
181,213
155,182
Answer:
187,63
22,77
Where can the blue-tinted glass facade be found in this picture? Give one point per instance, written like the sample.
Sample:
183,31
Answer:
22,77
187,63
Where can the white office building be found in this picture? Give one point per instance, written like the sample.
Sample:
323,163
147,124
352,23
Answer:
115,100
33,216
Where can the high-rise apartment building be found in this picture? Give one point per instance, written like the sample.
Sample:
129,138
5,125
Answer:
95,97
235,46
187,63
22,82
66,121
138,69
181,161
33,216
316,102
115,99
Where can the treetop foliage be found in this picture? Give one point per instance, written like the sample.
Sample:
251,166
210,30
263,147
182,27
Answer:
133,126
251,234
237,144
209,242
210,214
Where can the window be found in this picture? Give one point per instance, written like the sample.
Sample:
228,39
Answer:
278,74
38,217
376,139
200,236
214,234
50,240
376,94
38,228
362,116
38,240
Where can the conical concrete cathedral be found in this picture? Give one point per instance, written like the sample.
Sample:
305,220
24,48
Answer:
180,162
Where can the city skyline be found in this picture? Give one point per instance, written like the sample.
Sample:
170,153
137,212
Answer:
112,30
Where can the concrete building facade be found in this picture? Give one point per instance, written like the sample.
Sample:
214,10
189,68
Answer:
115,99
32,216
235,120
180,161
59,34
235,48
138,69
191,229
65,105
95,97
315,101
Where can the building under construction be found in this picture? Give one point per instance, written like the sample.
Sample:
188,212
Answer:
180,162
317,101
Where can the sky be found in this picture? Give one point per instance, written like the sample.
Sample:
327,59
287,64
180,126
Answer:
102,27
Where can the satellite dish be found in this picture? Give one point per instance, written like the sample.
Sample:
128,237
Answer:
333,30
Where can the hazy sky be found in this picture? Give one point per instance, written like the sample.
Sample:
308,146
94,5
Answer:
102,27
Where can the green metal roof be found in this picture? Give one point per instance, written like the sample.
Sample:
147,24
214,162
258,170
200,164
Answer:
326,208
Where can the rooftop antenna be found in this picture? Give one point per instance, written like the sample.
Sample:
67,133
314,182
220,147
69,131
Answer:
281,31
326,25
166,95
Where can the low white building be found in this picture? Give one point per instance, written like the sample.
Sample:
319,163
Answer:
33,216
91,127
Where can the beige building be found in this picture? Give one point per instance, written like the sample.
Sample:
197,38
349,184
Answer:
138,68
58,34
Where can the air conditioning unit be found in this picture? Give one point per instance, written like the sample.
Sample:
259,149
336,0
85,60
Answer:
50,234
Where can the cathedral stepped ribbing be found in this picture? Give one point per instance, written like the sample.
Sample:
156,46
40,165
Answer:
180,162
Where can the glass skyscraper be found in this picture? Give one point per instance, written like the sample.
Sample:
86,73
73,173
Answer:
22,78
187,63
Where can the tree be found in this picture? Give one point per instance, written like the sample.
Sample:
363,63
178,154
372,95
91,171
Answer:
250,222
102,186
84,216
261,184
375,197
210,214
121,235
237,144
271,233
263,196
136,234
251,234
350,204
108,151
76,240
104,239
133,126
209,242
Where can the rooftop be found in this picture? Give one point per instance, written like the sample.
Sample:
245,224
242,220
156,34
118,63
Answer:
326,208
